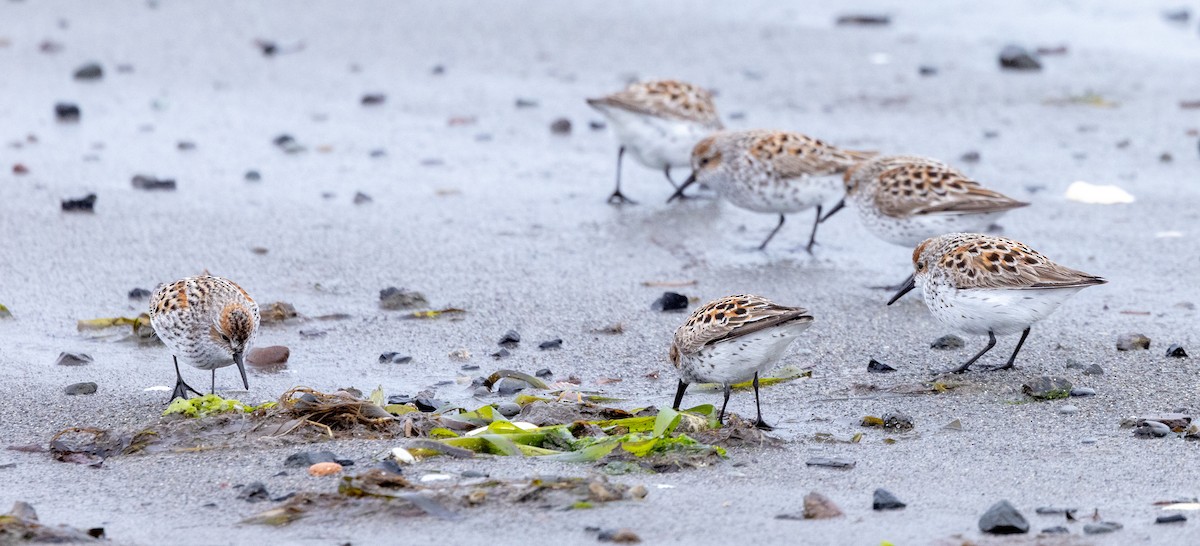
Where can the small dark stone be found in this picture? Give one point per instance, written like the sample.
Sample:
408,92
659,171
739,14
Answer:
970,157
378,153
561,126
149,183
83,204
1055,511
252,176
670,301
312,333
472,367
1151,429
596,125
501,353
949,341
620,536
270,358
1017,58
394,358
830,462
288,144
926,70
1094,369
437,70
1175,351
400,298
737,115
139,294
864,20
1179,15
897,420
544,373
66,112
875,366
401,399
1003,519
1056,530
510,339
81,388
1083,391
509,385
991,133
1172,518
1047,388
255,492
428,405
390,466
473,474
185,145
550,345
73,359
508,409
885,500
361,198
1133,342
1073,364
1166,157
89,71
373,99
306,459
527,103
1101,528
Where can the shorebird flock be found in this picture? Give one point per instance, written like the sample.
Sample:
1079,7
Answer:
975,283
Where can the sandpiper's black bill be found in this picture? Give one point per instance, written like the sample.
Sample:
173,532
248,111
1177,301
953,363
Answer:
839,206
691,179
237,359
909,284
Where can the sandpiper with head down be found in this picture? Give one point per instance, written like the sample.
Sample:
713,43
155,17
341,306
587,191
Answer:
982,284
208,322
659,122
731,340
779,172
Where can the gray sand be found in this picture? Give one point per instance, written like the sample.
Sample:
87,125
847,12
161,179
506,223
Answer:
515,230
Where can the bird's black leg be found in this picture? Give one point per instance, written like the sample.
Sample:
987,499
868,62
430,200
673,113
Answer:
721,416
1008,365
812,239
617,198
763,246
967,364
214,381
679,394
181,388
759,423
667,172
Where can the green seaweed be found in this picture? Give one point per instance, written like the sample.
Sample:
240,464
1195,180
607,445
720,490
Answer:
211,404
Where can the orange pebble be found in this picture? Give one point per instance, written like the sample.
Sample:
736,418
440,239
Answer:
324,469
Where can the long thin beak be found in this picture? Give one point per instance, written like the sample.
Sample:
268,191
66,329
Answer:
237,359
691,179
839,206
909,284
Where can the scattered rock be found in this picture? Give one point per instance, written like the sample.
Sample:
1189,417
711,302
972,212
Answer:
561,126
1089,440
1176,351
1068,410
1151,429
270,356
1101,528
510,339
970,157
596,125
1172,518
527,103
1056,530
1047,388
185,145
309,458
620,536
324,469
818,506
927,70
501,353
1166,157
1083,391
74,359
670,301
1179,15
472,367
1073,364
83,204
150,183
67,112
81,388
544,373
460,355
20,169
1046,51
428,405
361,198
252,176
1094,369
1133,342
953,425
885,500
508,409
875,366
864,20
897,420
1055,511
949,341
400,298
139,294
373,99
288,144
830,462
1003,519
509,386
552,344
1017,58
394,358
255,492
437,70
1175,421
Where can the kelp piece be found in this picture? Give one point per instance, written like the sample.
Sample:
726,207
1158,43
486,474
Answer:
20,525
783,375
435,313
139,326
211,404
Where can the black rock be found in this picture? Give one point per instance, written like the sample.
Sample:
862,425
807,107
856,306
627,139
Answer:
897,420
1047,388
864,20
401,399
970,157
390,466
1176,351
473,474
561,126
509,385
470,367
83,204
875,366
400,298
550,345
949,341
394,358
1101,528
501,353
185,145
926,70
508,409
252,176
1133,342
1094,369
670,301
255,492
1055,511
361,198
73,359
1003,519
596,125
544,372
288,144
885,500
81,388
1056,530
377,153
527,103
139,294
1172,518
830,462
67,112
510,339
149,183
373,99
1016,58
1073,364
308,458
89,71
428,405
1180,15
437,70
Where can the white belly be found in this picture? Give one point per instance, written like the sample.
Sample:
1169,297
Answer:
781,196
979,311
187,340
739,359
657,143
910,231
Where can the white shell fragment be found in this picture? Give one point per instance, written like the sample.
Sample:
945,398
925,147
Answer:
1094,194
402,456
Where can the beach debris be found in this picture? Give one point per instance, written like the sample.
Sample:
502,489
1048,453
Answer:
510,339
82,204
875,366
1101,527
393,298
1014,57
20,525
1171,518
1083,391
4,312
150,183
324,469
392,357
73,359
288,144
561,127
500,353
211,404
253,492
1176,351
303,459
80,388
816,506
1047,388
1003,519
373,99
619,536
670,301
66,112
526,103
949,341
1094,194
863,20
139,294
831,462
1132,342
552,344
140,329
1068,410
885,500
927,70
278,311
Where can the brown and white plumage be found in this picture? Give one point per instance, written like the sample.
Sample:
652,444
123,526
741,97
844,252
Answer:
907,199
984,284
658,122
770,171
208,322
732,340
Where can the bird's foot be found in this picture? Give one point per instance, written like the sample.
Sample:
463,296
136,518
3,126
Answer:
618,198
762,425
1006,366
181,390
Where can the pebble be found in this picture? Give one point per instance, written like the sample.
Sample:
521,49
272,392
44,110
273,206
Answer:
469,367
597,125
139,294
544,373
1094,369
1089,440
67,112
1017,58
897,420
20,169
830,462
89,71
501,353
1073,364
1151,429
1101,528
401,399
401,298
150,183
510,339
288,144
272,355
324,469
508,409
1132,342
1172,518
83,204
1047,388
460,354
1068,410
1179,15
620,536
561,126
428,405
875,366
670,301
373,99
361,198
81,388
309,458
1003,519
885,500
1055,511
394,358
1176,351
1083,391
1056,530
970,157
378,153
818,506
437,70
185,145
945,342
252,176
861,20
953,425
74,359
1175,421
254,492
527,103
927,70
509,385
551,344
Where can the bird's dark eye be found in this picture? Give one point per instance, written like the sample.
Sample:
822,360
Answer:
703,161
225,337
920,266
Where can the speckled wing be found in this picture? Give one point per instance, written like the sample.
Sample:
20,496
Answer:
1001,263
667,99
930,188
793,155
732,317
